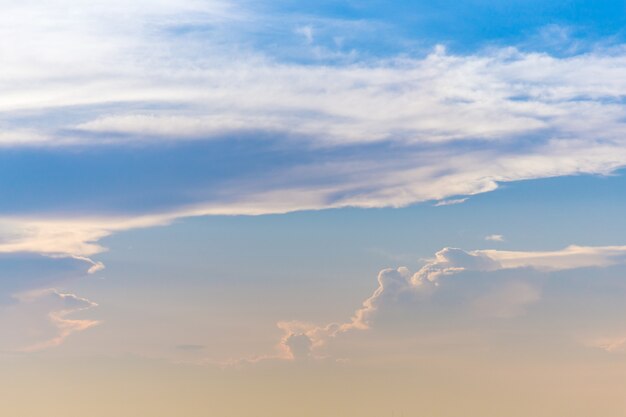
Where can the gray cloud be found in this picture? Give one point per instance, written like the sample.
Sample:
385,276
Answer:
299,346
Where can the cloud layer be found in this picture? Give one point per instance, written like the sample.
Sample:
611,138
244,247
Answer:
117,116
278,135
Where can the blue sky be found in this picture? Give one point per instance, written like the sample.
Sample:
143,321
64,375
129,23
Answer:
396,194
378,28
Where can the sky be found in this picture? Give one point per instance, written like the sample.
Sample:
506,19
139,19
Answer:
332,208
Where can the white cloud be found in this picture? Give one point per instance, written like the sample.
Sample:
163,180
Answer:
463,122
450,202
459,124
503,294
569,258
66,237
307,32
22,137
296,104
131,55
495,238
438,99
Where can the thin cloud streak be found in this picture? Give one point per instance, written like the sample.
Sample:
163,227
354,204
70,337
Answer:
41,319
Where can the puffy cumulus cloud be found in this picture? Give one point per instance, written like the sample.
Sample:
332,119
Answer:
463,286
42,319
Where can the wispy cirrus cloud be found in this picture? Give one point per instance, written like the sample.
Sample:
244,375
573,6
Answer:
388,133
33,314
370,132
60,306
42,319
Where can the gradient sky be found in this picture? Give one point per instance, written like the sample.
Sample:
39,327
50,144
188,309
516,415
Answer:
313,209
